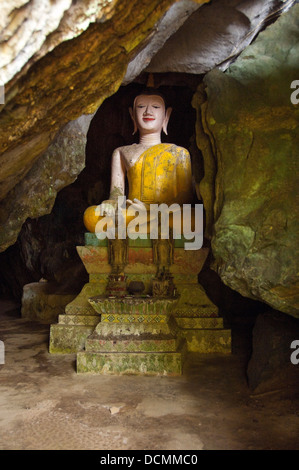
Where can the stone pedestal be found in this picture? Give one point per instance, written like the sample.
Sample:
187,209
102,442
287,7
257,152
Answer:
136,335
198,318
139,343
42,301
79,320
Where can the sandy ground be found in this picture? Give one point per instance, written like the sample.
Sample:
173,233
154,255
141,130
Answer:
45,405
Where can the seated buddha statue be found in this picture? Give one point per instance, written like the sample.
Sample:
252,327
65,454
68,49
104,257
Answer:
156,172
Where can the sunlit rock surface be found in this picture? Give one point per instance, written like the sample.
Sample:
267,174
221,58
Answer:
31,29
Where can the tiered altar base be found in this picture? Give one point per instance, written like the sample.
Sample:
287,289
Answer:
139,334
135,335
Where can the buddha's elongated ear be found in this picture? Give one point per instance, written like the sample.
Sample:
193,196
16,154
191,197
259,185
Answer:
134,120
166,119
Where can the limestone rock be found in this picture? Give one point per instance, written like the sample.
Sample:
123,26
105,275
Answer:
250,147
30,29
214,35
166,27
43,302
270,365
35,195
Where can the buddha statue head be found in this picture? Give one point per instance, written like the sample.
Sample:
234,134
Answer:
149,112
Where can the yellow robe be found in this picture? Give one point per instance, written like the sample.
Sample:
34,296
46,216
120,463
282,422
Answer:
162,173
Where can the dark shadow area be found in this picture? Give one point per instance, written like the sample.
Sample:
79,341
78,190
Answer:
239,313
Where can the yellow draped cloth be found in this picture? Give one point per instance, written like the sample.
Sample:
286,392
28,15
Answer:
162,174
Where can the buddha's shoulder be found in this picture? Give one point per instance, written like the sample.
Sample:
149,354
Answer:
178,149
126,149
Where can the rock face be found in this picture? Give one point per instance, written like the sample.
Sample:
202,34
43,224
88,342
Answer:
214,35
31,29
168,25
248,134
271,364
35,195
43,302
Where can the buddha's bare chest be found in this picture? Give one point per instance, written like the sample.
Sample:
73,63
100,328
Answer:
131,154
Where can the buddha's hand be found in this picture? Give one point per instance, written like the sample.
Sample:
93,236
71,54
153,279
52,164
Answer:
137,205
107,207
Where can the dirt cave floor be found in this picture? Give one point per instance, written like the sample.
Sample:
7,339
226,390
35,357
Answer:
46,405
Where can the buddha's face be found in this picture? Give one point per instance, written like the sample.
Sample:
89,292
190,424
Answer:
149,113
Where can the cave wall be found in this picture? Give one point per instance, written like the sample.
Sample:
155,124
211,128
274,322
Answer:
214,35
248,134
35,194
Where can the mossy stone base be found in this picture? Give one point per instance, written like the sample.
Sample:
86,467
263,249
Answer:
135,329
145,343
78,321
200,322
41,301
80,305
132,344
138,336
134,363
208,341
66,339
193,300
203,329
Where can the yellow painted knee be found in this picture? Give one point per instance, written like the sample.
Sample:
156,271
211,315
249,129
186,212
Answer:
90,218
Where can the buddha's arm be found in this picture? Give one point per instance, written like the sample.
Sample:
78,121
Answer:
117,186
184,178
118,172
